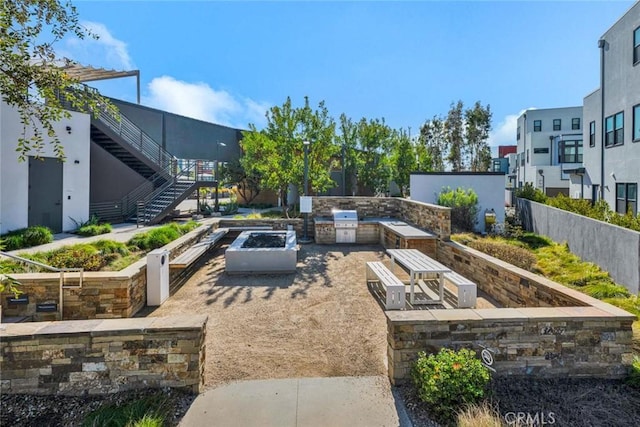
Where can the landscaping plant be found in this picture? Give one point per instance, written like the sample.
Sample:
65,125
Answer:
27,237
448,380
531,193
464,207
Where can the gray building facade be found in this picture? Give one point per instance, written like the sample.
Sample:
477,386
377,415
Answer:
612,120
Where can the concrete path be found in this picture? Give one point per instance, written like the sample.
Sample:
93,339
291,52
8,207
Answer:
299,402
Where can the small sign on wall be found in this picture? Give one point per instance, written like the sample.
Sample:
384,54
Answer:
305,204
46,307
21,300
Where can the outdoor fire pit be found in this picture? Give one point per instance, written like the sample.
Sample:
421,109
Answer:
258,252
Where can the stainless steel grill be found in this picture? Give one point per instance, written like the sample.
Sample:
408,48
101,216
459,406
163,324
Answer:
345,223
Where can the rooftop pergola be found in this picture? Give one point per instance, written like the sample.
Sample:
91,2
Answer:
87,73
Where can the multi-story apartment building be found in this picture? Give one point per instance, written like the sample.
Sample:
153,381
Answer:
612,152
549,145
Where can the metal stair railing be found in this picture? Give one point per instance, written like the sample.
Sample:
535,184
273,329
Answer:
62,272
138,139
187,171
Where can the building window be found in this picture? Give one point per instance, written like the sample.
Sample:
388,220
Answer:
570,152
527,156
626,198
521,159
557,124
636,123
575,123
518,134
544,150
636,46
537,125
592,134
614,129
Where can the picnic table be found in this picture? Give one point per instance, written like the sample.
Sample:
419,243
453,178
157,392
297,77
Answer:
418,265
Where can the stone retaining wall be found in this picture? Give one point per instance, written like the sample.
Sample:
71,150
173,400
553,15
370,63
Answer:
104,294
433,218
102,356
367,207
507,284
277,224
543,342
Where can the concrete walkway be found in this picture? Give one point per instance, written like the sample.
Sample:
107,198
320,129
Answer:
299,402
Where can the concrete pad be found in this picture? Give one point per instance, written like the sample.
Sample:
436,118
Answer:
345,401
246,403
339,401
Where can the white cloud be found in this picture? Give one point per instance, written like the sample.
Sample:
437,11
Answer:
106,51
201,101
505,132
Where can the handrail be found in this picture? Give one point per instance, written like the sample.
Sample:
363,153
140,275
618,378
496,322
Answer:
62,271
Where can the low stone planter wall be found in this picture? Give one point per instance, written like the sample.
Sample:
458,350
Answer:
433,218
104,294
543,342
102,356
507,284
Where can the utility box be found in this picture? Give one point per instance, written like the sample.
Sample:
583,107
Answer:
157,277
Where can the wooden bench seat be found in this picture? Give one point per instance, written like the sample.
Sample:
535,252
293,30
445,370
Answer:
189,256
377,272
467,290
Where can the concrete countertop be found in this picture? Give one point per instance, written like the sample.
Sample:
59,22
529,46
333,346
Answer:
406,231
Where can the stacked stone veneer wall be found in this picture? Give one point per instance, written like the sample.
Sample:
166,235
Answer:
543,342
102,356
433,218
276,224
507,284
548,331
104,295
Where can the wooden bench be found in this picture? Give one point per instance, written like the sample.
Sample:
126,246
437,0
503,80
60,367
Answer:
377,272
189,256
251,228
467,290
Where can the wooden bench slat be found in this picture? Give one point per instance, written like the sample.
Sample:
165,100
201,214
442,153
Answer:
187,258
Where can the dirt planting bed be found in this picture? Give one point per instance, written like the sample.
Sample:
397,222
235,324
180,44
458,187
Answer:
321,321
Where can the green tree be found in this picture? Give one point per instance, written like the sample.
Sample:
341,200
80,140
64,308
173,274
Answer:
276,153
477,128
454,136
31,77
347,139
432,145
403,160
374,168
247,183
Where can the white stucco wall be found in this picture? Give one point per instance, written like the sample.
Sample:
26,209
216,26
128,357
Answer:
14,175
489,186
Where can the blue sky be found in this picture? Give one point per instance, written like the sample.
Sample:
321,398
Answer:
227,62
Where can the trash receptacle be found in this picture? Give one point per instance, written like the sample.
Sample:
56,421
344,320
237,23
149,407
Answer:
489,220
157,277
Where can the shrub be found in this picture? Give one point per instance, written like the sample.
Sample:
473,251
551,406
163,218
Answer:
111,247
94,230
534,241
464,207
160,236
77,256
531,193
26,237
479,415
634,376
449,379
519,257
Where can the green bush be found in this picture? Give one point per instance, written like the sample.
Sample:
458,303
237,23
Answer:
464,207
448,380
517,256
531,193
534,241
82,256
111,247
26,237
94,230
148,411
634,376
160,236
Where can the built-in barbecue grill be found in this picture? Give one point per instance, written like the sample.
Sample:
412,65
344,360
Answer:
345,223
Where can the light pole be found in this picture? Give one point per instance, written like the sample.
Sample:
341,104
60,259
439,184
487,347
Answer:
344,170
305,236
216,206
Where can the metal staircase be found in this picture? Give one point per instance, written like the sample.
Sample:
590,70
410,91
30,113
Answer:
169,180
